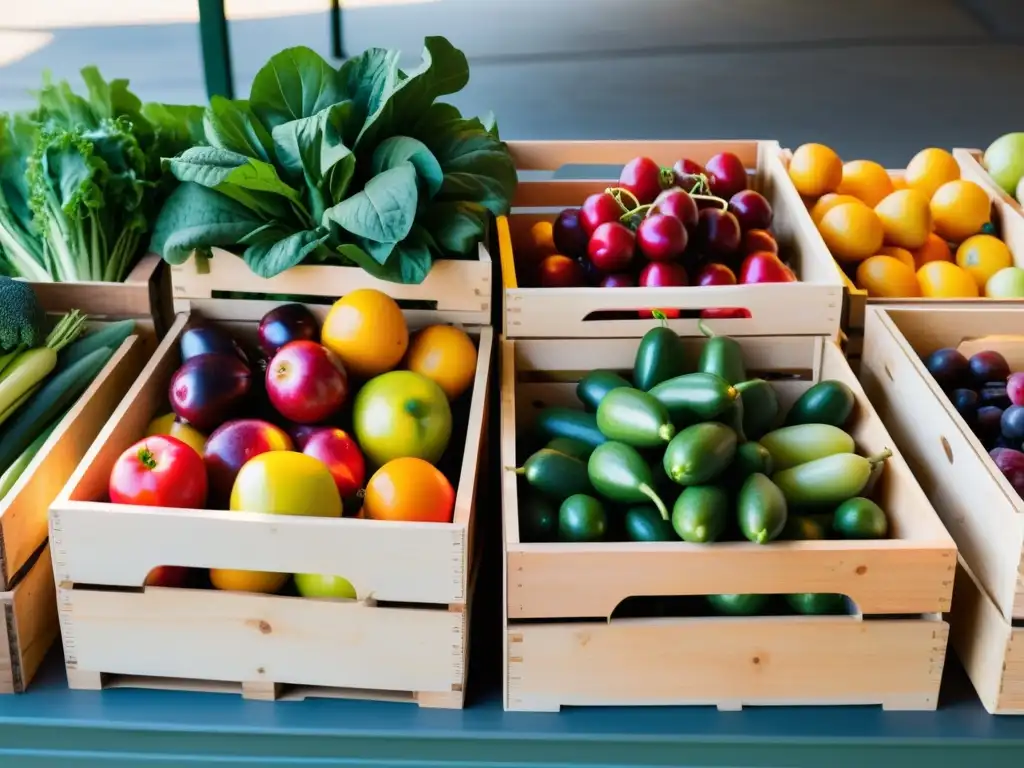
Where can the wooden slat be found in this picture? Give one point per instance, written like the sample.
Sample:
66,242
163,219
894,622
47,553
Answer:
30,612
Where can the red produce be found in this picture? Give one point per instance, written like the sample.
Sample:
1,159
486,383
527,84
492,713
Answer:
661,237
288,322
724,313
1011,464
715,274
233,444
676,202
619,280
207,340
751,209
600,208
755,240
159,471
558,271
569,234
718,232
726,174
611,247
1015,388
662,274
300,433
173,576
765,267
335,448
645,179
688,173
306,382
209,389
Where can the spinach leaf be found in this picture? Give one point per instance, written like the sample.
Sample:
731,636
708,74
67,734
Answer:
383,211
412,260
456,227
477,166
177,127
312,146
368,80
232,125
392,152
295,83
197,217
277,249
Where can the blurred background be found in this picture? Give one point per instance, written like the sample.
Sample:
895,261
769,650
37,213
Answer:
874,78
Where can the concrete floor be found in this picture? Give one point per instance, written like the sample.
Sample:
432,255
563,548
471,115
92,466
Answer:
873,78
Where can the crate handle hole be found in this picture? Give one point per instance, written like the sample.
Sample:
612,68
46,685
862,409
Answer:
734,606
947,449
675,313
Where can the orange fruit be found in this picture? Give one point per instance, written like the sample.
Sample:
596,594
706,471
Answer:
367,330
815,170
929,169
900,254
827,202
906,218
446,355
852,231
934,249
945,280
247,581
960,209
409,489
866,180
543,238
898,182
886,277
982,256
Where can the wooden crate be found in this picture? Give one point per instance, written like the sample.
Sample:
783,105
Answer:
30,617
811,306
463,287
144,296
406,636
990,648
970,161
564,648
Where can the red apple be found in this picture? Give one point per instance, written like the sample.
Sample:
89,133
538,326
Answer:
765,267
233,444
716,274
558,271
306,382
727,175
718,232
600,208
755,240
618,280
159,471
676,202
168,576
335,448
751,209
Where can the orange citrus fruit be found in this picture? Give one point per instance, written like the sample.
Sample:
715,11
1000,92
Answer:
815,170
945,280
898,182
409,489
960,209
934,249
367,330
906,218
900,254
886,277
929,169
827,202
866,180
982,256
543,238
247,581
852,231
446,355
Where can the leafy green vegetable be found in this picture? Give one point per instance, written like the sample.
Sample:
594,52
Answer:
360,165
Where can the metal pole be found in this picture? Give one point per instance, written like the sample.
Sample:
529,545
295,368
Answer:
213,36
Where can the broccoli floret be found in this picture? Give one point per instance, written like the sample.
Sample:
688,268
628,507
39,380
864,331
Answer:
22,320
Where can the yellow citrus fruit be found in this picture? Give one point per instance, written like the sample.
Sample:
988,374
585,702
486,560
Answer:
852,231
982,256
888,278
168,424
446,355
900,254
367,330
866,180
898,182
542,237
247,581
827,202
960,209
929,169
934,249
906,218
815,170
945,280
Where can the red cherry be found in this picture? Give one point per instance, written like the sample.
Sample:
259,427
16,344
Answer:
661,237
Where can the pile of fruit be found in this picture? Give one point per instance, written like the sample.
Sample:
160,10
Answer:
700,456
685,225
336,403
1004,161
991,400
928,233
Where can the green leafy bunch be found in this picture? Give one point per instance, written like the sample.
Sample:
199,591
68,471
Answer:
358,165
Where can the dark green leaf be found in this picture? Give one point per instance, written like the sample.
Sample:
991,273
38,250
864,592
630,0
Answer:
61,107
113,99
435,118
477,166
490,124
383,210
277,250
232,125
312,146
177,127
392,152
295,83
457,227
18,137
197,217
411,261
368,79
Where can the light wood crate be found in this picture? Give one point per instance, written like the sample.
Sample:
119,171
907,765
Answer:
812,306
30,616
144,296
563,648
462,287
404,638
971,166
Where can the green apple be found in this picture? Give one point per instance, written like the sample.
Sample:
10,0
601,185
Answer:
1007,283
1004,161
320,585
1020,191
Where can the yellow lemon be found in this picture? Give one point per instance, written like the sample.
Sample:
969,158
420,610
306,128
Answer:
906,218
852,231
982,256
929,169
945,280
900,254
815,170
866,180
886,277
827,202
960,209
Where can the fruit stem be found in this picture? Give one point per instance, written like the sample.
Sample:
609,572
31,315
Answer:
704,329
700,532
657,314
761,537
666,432
517,470
644,209
617,193
147,458
647,491
722,202
878,458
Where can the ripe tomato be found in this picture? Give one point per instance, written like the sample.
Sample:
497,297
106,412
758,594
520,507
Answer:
159,471
367,330
409,489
